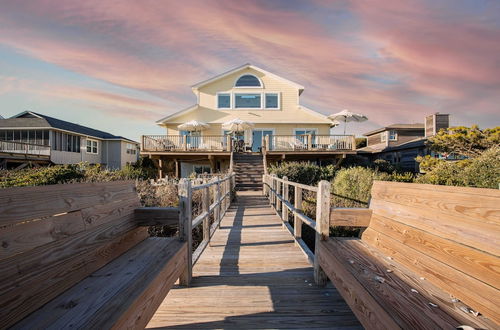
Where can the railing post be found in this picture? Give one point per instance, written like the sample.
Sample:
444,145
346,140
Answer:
228,143
185,224
264,184
218,208
284,208
278,192
322,227
309,141
297,222
268,145
353,142
273,185
206,206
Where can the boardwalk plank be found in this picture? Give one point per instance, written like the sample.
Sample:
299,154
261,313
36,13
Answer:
253,276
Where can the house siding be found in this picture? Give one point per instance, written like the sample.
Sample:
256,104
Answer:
405,136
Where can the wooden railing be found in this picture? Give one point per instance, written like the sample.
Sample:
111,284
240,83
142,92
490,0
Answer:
186,143
309,142
222,189
278,192
24,148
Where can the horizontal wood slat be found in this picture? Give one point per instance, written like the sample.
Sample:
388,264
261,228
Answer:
483,266
462,215
26,203
352,217
157,216
478,295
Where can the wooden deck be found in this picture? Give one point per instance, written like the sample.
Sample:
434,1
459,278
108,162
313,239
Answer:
252,276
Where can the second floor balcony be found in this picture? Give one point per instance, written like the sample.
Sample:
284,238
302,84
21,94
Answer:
268,143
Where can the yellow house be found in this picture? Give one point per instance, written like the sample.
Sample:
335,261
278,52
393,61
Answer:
279,126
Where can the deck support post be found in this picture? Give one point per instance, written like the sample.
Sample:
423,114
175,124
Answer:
297,222
185,224
284,208
322,227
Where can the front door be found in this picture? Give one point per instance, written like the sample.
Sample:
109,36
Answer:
257,136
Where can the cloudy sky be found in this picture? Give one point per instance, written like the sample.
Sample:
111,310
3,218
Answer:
120,65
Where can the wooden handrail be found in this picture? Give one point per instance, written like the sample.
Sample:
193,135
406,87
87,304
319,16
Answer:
277,191
222,189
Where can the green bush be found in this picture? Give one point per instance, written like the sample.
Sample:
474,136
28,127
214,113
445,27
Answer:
482,171
82,172
351,187
303,172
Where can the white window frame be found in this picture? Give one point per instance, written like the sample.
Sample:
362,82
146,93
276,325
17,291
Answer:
92,146
395,135
279,100
248,74
383,136
261,101
230,100
305,129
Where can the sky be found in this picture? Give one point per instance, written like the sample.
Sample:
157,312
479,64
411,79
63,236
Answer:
121,65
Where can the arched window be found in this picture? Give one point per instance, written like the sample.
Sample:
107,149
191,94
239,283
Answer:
248,80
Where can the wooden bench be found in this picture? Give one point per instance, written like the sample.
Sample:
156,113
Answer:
428,258
79,256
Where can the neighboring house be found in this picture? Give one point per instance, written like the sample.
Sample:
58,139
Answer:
282,127
400,144
40,139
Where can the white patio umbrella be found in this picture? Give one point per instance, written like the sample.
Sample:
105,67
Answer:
193,126
347,116
237,125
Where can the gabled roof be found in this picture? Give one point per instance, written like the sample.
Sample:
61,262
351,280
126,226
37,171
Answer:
243,67
396,126
37,120
178,113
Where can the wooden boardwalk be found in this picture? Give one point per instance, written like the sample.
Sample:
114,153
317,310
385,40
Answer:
252,276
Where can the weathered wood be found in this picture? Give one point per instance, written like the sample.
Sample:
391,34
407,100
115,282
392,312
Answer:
460,214
45,201
286,198
157,216
111,297
279,185
185,223
205,207
367,309
478,295
322,227
482,266
253,277
114,210
50,270
352,217
31,234
297,222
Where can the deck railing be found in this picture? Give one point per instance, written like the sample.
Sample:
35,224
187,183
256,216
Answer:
185,143
309,142
24,148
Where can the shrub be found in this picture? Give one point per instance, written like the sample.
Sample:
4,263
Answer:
351,187
482,171
303,172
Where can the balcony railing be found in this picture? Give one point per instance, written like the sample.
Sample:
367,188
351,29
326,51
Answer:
164,143
23,148
309,142
185,143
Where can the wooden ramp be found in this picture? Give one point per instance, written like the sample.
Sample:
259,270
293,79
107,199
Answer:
252,276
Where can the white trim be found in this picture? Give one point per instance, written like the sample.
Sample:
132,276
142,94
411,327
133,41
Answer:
230,100
305,129
178,113
279,100
91,146
249,74
234,101
242,67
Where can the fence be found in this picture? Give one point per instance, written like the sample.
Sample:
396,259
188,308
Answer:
185,143
309,142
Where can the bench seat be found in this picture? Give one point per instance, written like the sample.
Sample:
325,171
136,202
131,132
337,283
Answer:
387,294
123,294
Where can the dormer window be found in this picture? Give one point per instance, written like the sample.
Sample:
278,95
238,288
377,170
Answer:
248,80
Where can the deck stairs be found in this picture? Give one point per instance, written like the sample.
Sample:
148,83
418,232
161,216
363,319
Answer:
249,169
